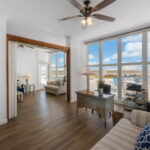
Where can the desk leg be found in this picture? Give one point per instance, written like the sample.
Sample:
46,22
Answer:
77,111
92,111
110,114
105,122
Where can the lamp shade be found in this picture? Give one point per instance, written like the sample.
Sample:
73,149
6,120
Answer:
87,72
27,76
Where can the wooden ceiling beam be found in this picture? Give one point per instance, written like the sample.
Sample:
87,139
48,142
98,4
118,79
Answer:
15,38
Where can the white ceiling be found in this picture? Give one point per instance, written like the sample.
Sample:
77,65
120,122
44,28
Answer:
40,17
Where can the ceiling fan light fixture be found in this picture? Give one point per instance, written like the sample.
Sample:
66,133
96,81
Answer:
87,21
83,22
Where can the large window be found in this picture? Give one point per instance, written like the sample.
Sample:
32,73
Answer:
57,68
93,64
120,61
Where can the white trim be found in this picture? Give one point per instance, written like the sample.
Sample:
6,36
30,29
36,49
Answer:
3,121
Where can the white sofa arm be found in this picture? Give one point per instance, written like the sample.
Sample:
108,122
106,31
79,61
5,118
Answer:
140,118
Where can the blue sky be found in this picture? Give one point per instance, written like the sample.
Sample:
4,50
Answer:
110,52
93,54
131,50
60,59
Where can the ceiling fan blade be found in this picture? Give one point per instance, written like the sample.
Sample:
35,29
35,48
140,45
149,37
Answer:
76,4
72,17
103,5
103,17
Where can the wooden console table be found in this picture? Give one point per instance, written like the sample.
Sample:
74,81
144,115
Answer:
103,105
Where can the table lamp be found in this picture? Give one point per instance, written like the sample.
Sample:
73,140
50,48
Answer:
27,76
88,73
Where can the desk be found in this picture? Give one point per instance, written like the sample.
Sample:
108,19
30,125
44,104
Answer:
102,105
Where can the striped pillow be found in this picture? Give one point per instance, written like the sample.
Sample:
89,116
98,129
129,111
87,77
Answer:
143,140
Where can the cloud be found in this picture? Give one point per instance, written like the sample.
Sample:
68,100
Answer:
53,65
107,60
61,60
93,63
114,56
133,49
133,67
133,38
91,56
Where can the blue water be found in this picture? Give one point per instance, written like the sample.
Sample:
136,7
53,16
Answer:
115,81
136,80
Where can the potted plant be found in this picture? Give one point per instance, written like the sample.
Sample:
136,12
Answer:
100,87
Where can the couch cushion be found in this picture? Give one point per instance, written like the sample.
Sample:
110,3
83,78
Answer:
58,83
121,137
52,87
50,82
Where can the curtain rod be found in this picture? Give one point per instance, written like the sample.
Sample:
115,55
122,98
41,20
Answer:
116,35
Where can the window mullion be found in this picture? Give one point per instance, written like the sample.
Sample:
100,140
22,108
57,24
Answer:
144,60
119,70
100,60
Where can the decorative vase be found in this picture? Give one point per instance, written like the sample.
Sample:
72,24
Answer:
100,90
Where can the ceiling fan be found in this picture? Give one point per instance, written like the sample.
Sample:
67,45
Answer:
87,11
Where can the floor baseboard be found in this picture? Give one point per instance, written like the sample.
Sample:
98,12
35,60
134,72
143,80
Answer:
3,121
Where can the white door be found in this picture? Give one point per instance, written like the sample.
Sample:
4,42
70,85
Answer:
43,75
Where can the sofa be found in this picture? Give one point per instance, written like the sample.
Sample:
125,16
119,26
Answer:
56,87
123,135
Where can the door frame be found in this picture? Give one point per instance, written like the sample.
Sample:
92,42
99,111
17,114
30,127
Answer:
20,39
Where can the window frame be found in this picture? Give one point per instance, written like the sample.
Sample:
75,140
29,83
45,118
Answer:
57,67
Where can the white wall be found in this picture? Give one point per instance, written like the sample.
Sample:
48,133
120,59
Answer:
28,61
78,65
3,97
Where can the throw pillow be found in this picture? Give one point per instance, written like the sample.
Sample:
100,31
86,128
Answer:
57,83
143,140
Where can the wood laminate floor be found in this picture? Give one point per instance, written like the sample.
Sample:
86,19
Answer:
47,122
